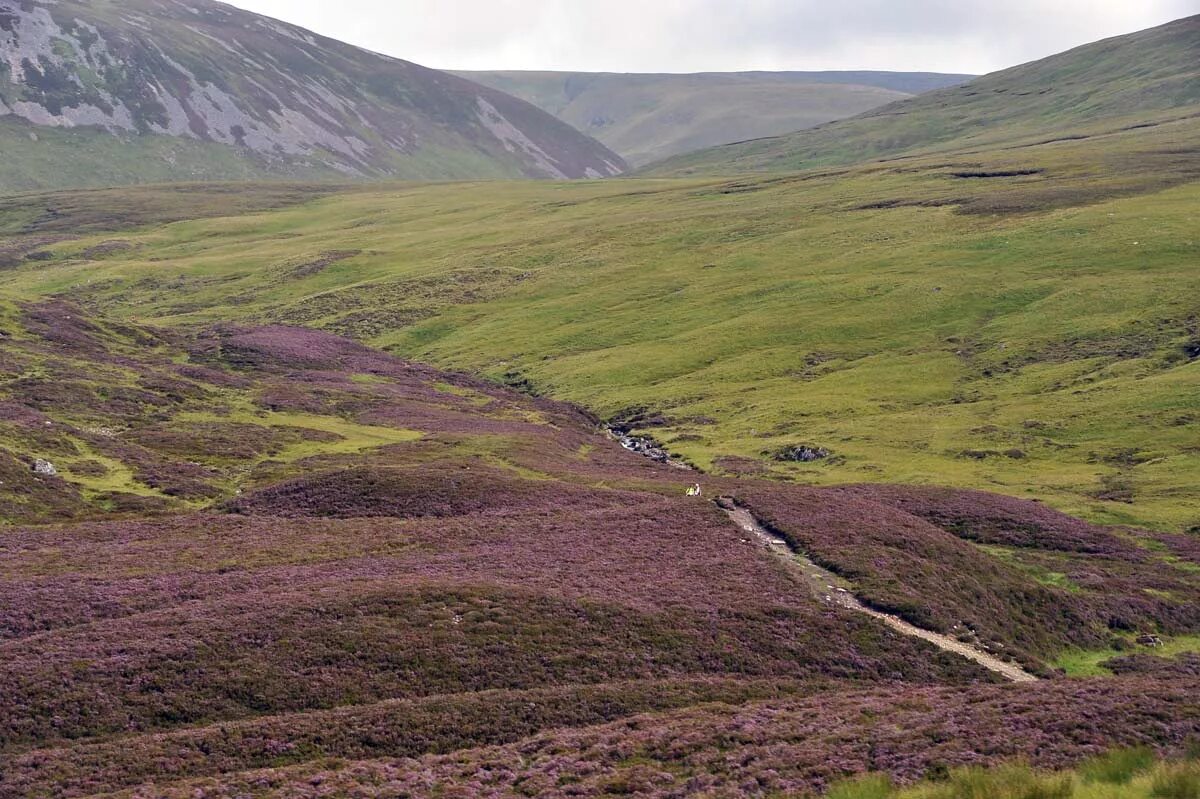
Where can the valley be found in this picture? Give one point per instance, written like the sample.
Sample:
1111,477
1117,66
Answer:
734,319
334,473
648,118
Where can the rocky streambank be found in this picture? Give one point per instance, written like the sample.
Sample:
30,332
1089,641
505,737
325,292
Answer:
647,447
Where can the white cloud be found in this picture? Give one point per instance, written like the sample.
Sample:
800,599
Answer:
701,35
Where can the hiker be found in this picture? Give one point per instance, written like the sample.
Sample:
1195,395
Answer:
695,491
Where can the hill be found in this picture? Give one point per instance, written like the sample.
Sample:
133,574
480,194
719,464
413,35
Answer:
648,117
104,93
1144,78
236,558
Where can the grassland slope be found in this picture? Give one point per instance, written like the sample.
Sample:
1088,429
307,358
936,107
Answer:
1144,78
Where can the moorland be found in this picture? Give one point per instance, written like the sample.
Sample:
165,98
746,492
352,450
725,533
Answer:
340,488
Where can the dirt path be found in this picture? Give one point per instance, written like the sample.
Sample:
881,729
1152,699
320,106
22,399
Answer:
831,589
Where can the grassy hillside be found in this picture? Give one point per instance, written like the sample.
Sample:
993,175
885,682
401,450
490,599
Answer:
97,159
35,157
137,91
650,117
1037,304
1145,78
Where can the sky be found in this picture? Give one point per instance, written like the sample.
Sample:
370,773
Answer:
967,36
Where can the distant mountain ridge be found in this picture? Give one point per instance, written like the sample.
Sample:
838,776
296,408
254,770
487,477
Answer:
646,117
284,100
1135,80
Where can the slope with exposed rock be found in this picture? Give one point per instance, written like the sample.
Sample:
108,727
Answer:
108,92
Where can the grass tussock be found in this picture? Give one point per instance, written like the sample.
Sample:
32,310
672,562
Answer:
1123,774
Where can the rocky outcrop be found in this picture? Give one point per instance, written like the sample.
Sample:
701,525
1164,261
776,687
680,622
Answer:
648,448
802,453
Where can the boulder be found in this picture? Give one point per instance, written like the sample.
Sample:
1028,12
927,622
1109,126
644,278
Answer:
44,468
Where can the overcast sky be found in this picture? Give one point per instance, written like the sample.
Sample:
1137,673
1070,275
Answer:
974,36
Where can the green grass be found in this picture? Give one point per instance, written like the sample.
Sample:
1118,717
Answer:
474,397
353,437
1090,663
71,213
1044,576
368,380
1129,774
1119,767
119,477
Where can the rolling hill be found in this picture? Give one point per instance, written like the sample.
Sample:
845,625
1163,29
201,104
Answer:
108,93
648,117
1146,78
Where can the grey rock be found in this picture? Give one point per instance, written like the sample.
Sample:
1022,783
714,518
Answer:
802,453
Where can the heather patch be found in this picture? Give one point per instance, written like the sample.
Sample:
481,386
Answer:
429,491
337,645
234,618
994,519
396,728
786,747
149,425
